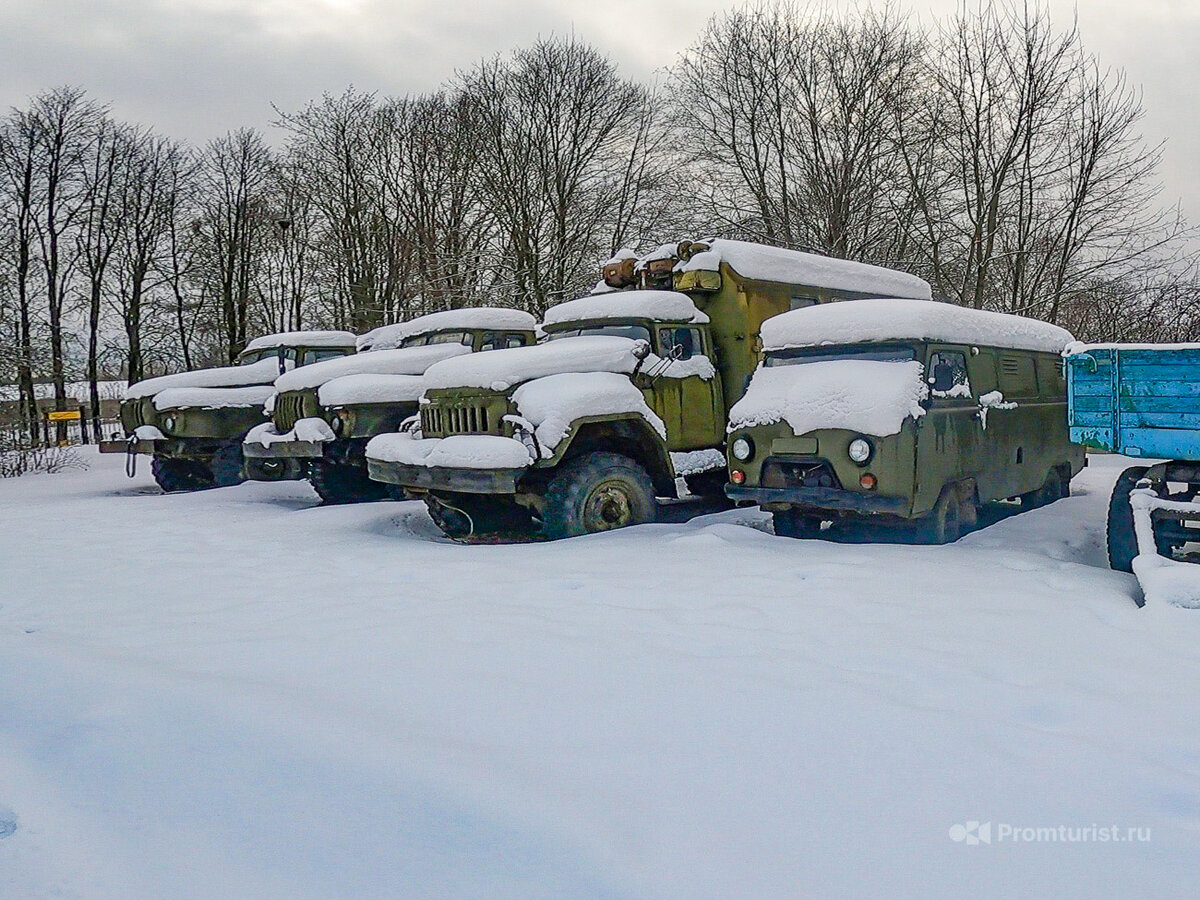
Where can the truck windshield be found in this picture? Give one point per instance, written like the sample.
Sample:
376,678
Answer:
313,356
442,337
253,356
804,355
631,331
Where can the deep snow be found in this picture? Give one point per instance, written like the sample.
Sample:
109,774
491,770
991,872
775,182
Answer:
241,693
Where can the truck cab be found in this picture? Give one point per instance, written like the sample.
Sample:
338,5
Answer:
629,392
192,423
323,416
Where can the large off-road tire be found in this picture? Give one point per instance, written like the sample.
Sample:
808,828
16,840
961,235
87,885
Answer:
226,466
272,469
707,484
795,524
478,516
177,475
344,483
598,491
943,525
1121,538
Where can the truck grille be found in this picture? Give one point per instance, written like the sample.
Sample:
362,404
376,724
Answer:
476,416
291,407
137,412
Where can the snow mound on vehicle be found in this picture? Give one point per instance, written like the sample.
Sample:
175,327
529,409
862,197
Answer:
213,398
309,430
761,262
264,371
407,361
860,321
389,337
352,389
668,306
303,339
460,451
498,370
867,396
552,403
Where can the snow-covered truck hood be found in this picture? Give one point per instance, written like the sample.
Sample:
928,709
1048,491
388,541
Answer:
354,389
264,371
868,396
254,395
408,361
500,370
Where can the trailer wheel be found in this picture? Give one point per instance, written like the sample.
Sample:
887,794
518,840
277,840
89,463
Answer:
597,492
341,483
179,475
794,524
1122,540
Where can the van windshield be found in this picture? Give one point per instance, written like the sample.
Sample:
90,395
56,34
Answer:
631,331
251,357
803,355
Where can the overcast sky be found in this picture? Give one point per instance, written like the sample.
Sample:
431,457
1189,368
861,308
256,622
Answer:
197,68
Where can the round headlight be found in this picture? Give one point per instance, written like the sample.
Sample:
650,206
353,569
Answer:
859,450
169,424
336,423
742,449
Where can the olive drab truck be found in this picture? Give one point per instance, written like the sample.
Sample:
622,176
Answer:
192,424
322,416
630,390
903,412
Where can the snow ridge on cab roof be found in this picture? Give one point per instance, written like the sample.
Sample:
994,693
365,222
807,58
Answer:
388,337
669,306
860,321
303,339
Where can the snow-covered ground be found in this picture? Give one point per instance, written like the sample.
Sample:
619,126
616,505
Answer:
240,693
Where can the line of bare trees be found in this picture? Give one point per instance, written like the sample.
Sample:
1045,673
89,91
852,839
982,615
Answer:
991,155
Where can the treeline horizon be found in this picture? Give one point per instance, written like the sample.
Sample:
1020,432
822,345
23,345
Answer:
990,154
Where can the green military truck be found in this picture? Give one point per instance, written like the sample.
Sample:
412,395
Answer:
902,412
192,423
630,391
322,416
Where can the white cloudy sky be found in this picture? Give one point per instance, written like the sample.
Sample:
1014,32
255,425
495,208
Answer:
195,68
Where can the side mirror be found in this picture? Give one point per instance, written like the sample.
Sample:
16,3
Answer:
677,352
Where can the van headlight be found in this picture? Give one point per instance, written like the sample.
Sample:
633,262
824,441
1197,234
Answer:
336,423
169,423
742,449
859,450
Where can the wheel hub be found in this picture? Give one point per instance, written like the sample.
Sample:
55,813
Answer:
608,507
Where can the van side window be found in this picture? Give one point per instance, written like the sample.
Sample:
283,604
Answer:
1017,378
801,302
946,375
680,343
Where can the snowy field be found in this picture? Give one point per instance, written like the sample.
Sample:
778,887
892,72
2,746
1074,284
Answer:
240,693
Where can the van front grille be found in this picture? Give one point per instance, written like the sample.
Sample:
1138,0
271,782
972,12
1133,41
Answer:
289,409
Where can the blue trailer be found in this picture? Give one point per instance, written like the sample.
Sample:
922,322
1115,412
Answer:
1142,400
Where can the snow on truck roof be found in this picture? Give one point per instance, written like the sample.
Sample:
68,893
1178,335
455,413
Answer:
860,321
670,306
303,339
402,361
497,318
498,370
760,262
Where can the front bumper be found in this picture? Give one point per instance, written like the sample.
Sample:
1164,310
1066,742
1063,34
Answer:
284,450
434,478
147,447
822,498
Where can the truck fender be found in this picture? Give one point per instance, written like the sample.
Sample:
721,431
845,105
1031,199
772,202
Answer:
630,436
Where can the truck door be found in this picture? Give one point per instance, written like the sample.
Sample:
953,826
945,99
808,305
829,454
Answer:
690,404
948,443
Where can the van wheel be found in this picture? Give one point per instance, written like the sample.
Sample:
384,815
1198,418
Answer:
944,524
794,524
176,475
340,483
478,516
226,466
597,492
1120,535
